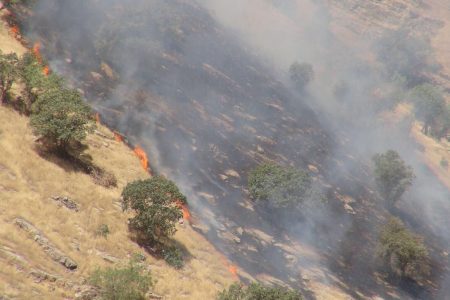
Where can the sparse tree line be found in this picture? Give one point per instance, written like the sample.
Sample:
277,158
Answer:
399,250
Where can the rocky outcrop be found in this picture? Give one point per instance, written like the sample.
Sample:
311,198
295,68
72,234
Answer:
66,202
54,253
87,292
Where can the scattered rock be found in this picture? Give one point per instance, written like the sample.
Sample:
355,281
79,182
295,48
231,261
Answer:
107,257
232,173
151,295
349,209
87,292
55,254
41,276
68,203
103,135
96,76
240,230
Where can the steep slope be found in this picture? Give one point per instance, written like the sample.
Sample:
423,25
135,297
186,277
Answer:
27,183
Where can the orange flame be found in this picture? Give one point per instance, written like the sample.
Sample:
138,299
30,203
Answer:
140,153
118,137
15,31
185,209
46,70
97,118
233,270
37,51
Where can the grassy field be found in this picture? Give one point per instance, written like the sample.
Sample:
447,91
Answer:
27,181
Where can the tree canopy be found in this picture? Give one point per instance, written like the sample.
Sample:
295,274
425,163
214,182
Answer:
392,175
8,74
401,251
282,186
156,202
431,109
61,117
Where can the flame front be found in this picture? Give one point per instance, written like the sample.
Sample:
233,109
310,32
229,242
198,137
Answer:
15,31
37,51
46,70
233,270
140,153
97,119
185,210
119,138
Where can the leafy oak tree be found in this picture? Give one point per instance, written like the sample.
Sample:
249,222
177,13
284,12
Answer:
401,251
430,107
60,117
8,74
282,186
257,291
392,176
156,203
36,82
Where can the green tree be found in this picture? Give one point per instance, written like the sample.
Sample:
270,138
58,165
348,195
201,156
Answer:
392,176
131,282
60,117
8,74
36,82
429,105
156,202
301,74
401,251
282,186
257,291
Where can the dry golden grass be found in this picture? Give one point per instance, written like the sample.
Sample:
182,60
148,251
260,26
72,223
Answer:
27,181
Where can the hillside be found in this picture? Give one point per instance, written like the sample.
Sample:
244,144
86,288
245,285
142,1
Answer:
27,183
206,88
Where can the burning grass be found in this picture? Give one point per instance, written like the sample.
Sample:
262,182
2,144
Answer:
26,183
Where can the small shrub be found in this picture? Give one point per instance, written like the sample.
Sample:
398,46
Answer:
174,257
257,291
103,231
103,178
131,282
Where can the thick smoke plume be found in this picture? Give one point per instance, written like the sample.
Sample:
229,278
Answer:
204,88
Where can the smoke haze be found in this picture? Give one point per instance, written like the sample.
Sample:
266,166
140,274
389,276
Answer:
204,88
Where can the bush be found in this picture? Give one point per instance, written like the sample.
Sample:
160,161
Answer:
122,283
301,74
102,230
174,257
102,177
61,117
392,176
282,186
401,251
156,204
257,291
